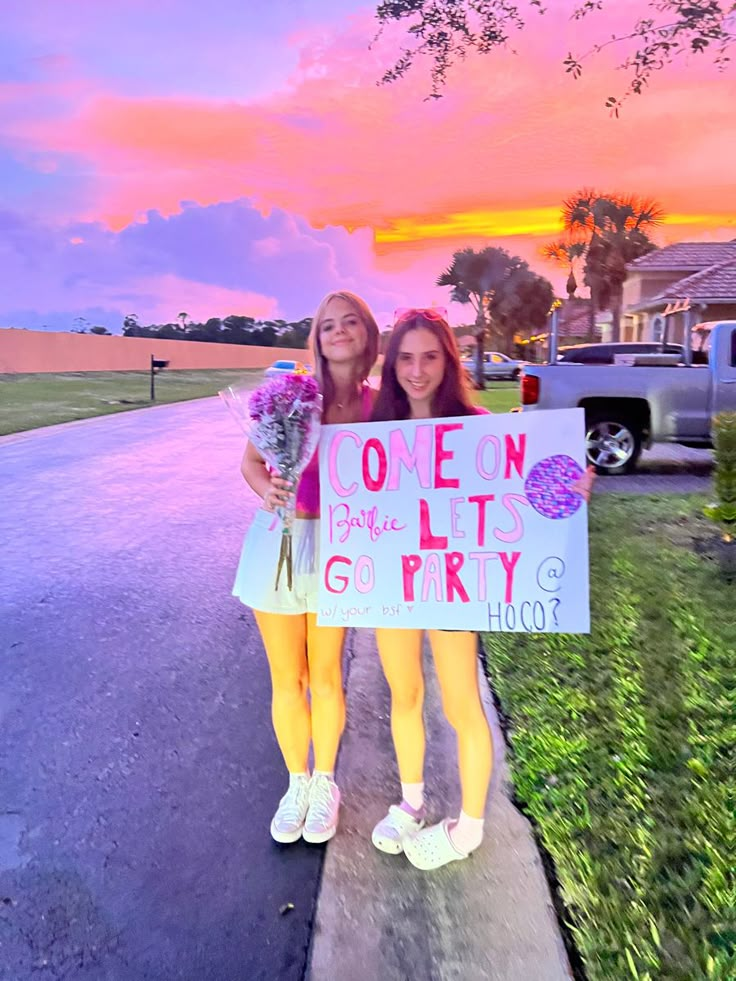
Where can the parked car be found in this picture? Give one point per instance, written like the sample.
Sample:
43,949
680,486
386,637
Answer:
496,366
286,368
606,353
655,400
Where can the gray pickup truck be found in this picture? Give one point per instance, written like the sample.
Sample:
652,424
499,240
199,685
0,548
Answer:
643,399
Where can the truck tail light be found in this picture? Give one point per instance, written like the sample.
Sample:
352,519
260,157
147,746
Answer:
529,389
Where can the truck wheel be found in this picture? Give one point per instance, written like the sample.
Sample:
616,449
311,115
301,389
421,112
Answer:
612,445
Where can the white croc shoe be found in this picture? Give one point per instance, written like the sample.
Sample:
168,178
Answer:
432,848
324,807
392,831
288,821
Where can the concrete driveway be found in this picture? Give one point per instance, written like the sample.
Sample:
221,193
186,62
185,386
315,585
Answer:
138,773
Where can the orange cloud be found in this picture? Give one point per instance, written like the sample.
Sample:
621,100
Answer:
529,223
472,224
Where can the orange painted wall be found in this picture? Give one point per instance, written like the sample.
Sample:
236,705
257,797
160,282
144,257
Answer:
37,351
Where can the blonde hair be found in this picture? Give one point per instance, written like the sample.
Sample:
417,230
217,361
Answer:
321,368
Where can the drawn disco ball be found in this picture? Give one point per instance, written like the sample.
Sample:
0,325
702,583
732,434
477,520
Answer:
548,483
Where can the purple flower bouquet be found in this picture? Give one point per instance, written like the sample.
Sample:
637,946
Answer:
282,420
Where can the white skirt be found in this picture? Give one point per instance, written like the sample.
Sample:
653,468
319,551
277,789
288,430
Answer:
255,580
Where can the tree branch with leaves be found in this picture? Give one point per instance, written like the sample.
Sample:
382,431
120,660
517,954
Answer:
445,31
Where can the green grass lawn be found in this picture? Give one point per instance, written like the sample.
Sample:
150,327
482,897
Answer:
30,401
499,396
622,746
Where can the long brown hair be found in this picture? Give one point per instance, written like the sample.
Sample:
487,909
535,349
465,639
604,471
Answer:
321,368
452,398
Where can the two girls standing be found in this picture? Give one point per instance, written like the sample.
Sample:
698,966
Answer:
422,378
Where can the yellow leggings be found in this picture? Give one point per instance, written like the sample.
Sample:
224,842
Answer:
304,658
456,661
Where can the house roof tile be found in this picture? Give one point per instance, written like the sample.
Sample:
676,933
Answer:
576,325
685,256
715,283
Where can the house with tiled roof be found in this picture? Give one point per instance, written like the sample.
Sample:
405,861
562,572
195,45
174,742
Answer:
574,325
577,323
684,283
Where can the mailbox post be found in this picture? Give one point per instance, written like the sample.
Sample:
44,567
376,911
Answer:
156,365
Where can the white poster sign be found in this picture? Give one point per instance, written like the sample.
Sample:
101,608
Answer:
460,524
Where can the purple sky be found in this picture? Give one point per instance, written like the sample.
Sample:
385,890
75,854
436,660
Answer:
169,156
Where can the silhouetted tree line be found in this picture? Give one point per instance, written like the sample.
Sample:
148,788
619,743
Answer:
234,329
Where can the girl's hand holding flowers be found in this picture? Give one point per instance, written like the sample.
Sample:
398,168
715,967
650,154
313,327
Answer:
279,494
282,421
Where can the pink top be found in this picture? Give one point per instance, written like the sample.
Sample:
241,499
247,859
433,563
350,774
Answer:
307,492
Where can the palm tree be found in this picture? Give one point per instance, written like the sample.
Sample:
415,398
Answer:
183,318
504,292
474,278
613,229
566,255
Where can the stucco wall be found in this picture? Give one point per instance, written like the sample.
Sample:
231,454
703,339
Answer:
38,351
639,286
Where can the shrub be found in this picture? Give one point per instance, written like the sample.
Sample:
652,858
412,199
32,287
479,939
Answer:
723,511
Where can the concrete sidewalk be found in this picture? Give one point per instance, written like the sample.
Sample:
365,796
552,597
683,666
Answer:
489,918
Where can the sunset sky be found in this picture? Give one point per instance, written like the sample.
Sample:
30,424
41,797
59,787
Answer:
159,156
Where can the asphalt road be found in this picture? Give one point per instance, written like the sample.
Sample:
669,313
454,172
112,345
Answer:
138,772
665,469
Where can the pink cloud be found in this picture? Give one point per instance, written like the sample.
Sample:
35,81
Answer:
159,299
267,246
513,132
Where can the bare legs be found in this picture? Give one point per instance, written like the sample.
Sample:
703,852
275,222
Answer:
301,657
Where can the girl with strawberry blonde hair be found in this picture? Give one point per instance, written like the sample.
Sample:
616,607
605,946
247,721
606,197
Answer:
305,661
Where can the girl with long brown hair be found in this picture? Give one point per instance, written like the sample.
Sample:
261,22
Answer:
423,378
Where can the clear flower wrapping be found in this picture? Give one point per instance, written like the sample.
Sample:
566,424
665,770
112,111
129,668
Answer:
282,420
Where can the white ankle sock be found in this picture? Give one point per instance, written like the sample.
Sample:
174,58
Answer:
467,832
293,777
324,773
413,794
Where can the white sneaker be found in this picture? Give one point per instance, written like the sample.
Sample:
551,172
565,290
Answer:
392,831
324,805
288,820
